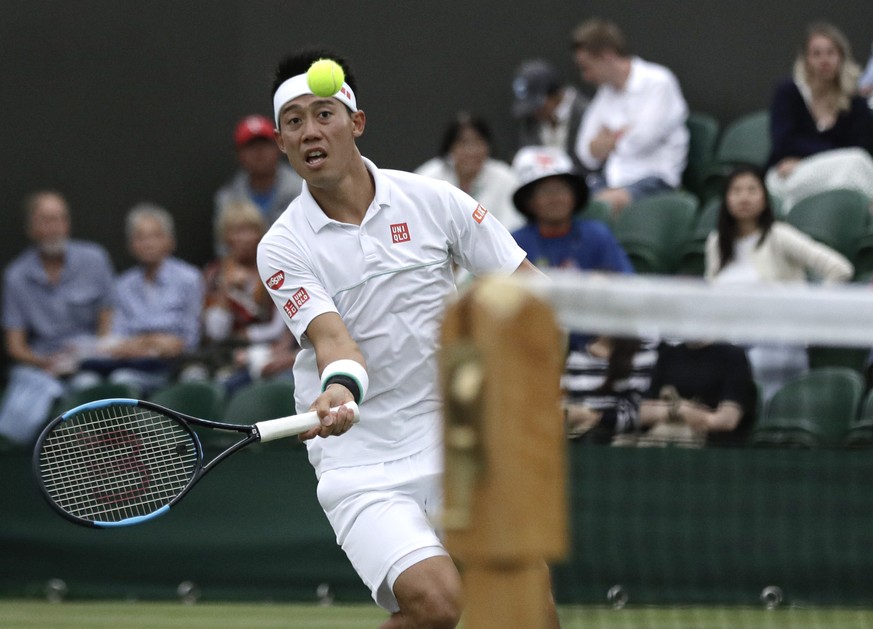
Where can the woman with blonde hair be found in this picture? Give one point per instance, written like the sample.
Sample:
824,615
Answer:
821,128
242,329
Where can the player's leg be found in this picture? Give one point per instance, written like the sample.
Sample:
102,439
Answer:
429,596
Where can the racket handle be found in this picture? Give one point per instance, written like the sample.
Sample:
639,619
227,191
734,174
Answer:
295,424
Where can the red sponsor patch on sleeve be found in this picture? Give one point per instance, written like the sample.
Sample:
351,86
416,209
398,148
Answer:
276,280
479,214
292,306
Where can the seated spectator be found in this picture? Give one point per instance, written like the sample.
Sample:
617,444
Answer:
465,162
244,336
604,382
547,108
700,393
57,304
751,247
551,194
821,129
633,133
158,304
263,177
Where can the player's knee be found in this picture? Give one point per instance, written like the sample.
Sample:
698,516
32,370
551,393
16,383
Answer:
436,607
439,610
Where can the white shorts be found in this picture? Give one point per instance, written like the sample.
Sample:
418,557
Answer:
383,517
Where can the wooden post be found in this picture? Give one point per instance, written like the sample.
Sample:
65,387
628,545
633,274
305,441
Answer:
501,362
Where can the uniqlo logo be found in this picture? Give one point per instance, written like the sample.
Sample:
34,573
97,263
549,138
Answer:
292,306
399,233
276,280
479,214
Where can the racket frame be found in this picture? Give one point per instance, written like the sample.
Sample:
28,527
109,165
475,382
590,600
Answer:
186,421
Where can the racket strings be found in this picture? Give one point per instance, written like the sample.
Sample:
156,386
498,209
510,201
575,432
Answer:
118,462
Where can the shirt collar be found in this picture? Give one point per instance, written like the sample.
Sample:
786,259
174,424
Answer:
318,220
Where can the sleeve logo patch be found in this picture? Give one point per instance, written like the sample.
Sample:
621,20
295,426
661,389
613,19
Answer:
292,306
479,214
276,280
399,233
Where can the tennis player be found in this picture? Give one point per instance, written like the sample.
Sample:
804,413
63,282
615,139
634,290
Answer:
360,266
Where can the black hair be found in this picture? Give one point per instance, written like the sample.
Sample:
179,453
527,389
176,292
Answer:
299,62
621,361
461,121
727,224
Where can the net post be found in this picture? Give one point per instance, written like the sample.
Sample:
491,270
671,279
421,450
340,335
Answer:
506,514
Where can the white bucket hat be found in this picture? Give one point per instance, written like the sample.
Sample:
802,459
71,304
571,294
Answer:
535,163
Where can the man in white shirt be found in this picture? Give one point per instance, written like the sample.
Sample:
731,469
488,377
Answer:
360,267
633,132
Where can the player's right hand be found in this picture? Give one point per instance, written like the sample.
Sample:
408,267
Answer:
333,423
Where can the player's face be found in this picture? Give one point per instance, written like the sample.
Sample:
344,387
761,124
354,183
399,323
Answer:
552,201
823,58
150,243
49,225
745,198
318,136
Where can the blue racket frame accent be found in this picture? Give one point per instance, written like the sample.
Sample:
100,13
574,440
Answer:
131,521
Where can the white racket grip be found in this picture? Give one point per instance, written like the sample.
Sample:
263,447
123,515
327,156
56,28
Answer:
295,424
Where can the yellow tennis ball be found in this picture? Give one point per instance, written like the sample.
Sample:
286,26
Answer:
325,77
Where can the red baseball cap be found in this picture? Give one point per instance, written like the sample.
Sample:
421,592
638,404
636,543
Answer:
252,128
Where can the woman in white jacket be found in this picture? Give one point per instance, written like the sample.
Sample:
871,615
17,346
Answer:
750,246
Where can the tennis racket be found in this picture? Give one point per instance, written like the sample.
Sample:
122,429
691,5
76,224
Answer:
120,461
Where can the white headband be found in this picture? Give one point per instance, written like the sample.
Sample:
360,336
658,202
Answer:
298,86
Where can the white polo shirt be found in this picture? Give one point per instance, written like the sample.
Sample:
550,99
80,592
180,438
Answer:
389,279
652,108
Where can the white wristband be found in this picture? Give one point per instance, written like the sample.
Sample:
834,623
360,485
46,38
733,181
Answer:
349,369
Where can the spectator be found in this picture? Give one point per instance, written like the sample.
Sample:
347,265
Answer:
751,247
821,129
633,132
700,393
465,162
158,305
604,383
265,180
245,337
548,109
56,305
550,194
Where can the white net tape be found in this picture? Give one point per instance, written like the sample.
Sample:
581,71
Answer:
692,309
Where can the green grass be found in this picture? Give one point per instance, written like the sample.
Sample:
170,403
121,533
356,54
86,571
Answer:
139,615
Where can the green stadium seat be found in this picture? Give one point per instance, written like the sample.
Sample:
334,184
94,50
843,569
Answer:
837,218
746,140
860,432
703,132
814,409
259,401
653,229
693,251
99,391
203,399
599,210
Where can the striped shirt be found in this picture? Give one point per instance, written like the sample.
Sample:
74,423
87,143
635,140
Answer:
585,373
